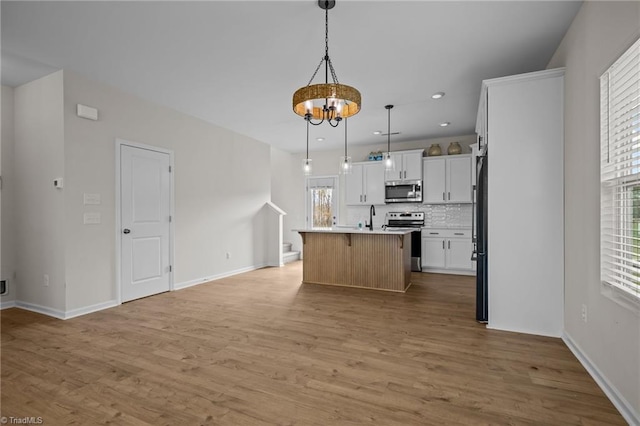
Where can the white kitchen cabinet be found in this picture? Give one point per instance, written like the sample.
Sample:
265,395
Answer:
365,184
433,253
521,119
447,251
459,252
447,179
408,165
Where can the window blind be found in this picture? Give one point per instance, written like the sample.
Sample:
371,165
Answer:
620,173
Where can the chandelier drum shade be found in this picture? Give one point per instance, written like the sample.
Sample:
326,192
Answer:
346,101
328,101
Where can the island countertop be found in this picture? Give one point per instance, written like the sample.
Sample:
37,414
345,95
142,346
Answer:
346,230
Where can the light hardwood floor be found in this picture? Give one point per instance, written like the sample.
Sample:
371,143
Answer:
259,348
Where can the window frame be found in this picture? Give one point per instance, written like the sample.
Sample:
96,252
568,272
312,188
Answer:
620,180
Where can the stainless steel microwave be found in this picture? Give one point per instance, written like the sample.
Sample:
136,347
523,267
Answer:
403,191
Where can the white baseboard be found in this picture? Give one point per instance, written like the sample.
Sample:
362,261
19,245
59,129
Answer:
8,304
467,272
41,309
191,283
623,406
534,332
57,313
112,303
89,309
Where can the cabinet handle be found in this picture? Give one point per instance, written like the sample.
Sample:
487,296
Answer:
365,198
443,198
400,177
442,244
458,233
405,174
449,244
360,197
434,233
449,194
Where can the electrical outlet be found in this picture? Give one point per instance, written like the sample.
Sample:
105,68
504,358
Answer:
584,313
45,282
228,255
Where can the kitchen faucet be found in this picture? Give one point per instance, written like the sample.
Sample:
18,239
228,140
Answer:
372,213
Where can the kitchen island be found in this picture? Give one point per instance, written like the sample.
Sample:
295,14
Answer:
379,260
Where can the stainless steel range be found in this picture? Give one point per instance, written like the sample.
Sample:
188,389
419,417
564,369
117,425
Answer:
409,221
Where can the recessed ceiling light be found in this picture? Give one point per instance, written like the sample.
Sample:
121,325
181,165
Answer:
319,139
377,132
445,124
437,95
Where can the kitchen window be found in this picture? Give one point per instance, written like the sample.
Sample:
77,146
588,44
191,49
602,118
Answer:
620,178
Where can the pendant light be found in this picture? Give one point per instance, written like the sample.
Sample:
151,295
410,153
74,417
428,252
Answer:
329,102
345,162
389,164
306,163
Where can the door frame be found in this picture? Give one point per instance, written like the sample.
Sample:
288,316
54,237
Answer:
118,225
307,205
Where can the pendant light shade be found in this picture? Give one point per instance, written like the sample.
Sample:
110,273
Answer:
306,166
306,163
389,164
345,161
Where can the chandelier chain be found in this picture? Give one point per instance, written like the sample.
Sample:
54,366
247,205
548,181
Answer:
315,72
326,57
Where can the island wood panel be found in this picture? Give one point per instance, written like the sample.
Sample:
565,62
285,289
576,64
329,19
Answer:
367,260
327,259
381,262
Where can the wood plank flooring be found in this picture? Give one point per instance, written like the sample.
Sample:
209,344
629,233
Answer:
262,349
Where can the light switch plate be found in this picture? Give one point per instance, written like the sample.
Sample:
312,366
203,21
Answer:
92,218
87,112
92,199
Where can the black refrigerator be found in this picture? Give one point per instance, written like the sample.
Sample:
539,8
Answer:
480,239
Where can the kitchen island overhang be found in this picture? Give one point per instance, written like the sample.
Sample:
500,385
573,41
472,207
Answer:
377,260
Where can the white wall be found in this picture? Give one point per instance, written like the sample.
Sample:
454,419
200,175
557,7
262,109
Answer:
7,223
222,180
39,158
611,338
287,192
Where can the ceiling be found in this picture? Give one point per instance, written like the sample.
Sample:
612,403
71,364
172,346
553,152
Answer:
237,63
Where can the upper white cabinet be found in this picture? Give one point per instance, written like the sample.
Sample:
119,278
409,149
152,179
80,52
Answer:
365,184
521,122
447,179
408,165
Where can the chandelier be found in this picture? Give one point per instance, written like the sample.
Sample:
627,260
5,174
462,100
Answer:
326,101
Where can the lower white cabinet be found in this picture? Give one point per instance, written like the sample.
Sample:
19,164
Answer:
447,251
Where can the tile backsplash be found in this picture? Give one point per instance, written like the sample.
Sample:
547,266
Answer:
448,215
436,215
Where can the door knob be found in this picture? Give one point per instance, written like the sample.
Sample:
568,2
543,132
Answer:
126,231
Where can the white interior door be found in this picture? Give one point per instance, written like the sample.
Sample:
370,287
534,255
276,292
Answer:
145,221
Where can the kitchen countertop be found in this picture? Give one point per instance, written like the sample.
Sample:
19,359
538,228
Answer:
344,230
